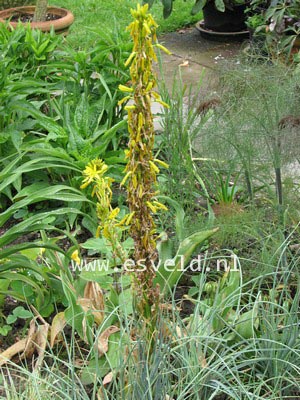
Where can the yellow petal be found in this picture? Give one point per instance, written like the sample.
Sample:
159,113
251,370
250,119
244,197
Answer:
75,257
163,48
125,178
124,88
161,163
114,213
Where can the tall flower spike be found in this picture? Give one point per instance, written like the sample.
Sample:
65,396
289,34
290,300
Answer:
141,169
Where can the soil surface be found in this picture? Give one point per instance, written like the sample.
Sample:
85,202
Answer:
28,17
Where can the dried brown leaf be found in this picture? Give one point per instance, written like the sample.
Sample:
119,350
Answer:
108,378
29,347
102,343
9,353
41,343
36,340
184,64
57,326
93,300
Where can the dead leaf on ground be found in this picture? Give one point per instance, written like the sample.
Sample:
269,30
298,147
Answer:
108,378
41,339
184,64
35,341
102,343
29,347
13,350
93,300
57,326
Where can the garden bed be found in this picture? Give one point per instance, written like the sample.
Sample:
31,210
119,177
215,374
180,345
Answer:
138,263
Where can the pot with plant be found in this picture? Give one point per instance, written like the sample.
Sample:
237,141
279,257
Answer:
221,17
41,16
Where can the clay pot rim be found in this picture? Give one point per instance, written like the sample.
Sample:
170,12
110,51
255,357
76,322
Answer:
67,18
209,33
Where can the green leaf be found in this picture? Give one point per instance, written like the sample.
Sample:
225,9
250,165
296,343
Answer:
198,6
150,2
125,301
19,312
23,289
5,329
99,244
165,247
108,362
81,116
168,6
74,315
55,130
247,322
27,280
168,277
220,5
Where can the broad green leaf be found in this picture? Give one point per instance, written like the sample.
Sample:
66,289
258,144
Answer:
19,277
220,5
247,323
179,215
168,278
168,6
99,244
21,312
165,247
198,6
125,301
109,361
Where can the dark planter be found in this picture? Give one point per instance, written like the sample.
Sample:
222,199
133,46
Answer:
227,21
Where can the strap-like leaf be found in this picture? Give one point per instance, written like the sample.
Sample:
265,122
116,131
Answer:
168,6
198,6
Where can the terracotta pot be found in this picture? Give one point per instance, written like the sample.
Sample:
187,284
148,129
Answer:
60,25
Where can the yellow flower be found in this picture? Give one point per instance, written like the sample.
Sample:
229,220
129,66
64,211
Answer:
75,257
93,171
